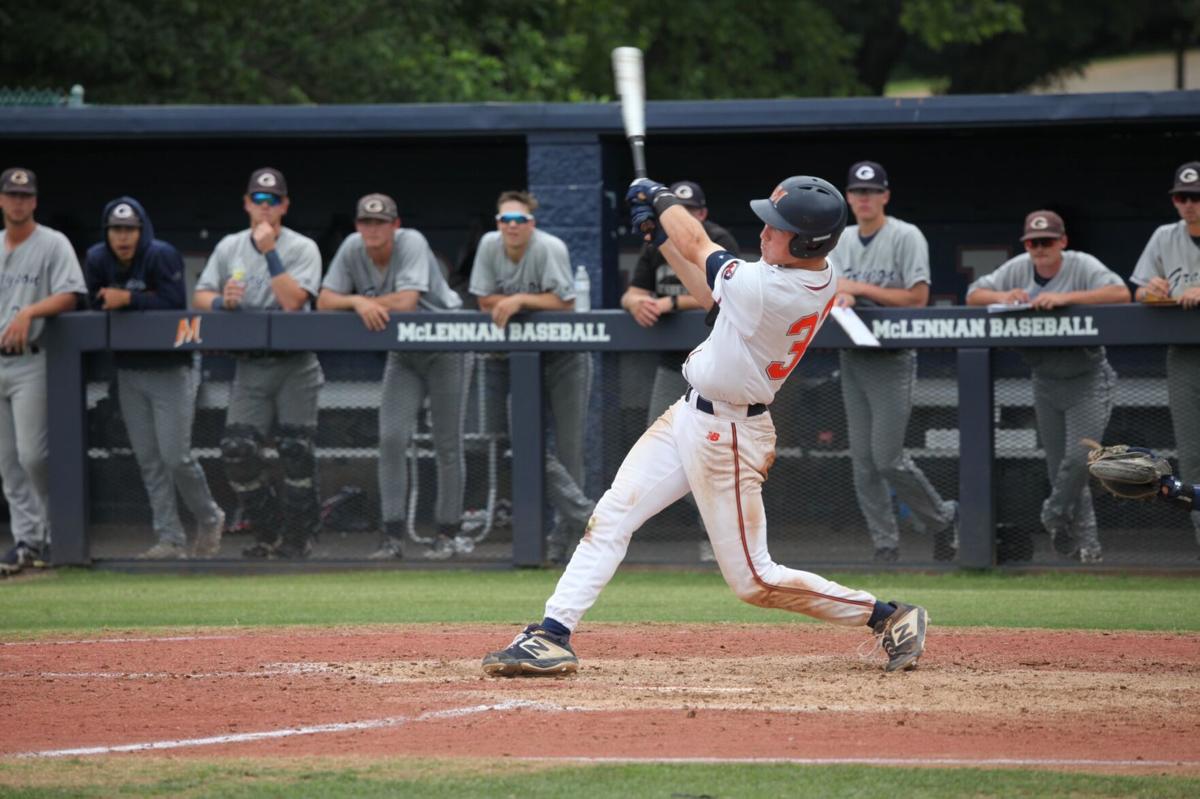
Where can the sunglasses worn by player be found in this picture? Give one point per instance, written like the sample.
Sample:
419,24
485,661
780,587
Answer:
1038,243
260,197
513,219
1183,197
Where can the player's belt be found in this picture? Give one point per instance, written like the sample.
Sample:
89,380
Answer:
706,405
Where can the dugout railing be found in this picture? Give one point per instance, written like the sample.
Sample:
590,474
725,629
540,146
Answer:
975,385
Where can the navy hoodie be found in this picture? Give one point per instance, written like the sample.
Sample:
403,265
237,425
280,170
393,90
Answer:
154,280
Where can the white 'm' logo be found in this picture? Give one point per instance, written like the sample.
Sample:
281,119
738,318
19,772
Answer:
684,192
122,211
266,179
1189,175
1039,223
373,206
864,172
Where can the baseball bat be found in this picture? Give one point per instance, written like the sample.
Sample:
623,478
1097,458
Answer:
631,88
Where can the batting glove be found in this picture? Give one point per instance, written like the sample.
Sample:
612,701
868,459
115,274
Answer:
644,190
643,219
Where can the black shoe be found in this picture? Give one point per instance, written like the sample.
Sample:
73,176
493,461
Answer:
1064,542
902,636
22,556
295,550
535,652
887,554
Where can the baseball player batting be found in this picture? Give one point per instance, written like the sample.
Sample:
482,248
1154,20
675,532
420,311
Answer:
718,440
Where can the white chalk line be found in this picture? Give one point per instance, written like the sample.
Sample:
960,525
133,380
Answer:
147,640
873,761
317,729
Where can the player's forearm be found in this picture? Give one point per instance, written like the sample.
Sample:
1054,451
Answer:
203,300
544,301
687,302
1105,295
400,301
687,234
290,295
330,300
690,274
915,297
986,297
633,297
52,305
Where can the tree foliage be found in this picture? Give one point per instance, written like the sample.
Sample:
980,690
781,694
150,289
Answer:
382,51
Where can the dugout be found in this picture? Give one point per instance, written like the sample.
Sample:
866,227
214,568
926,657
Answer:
966,169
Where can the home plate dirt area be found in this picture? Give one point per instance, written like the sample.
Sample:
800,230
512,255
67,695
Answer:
796,692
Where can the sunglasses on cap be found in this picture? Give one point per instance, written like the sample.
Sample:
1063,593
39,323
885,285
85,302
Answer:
1182,197
1036,243
260,197
513,219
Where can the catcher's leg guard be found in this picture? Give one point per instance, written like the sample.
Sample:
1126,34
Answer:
301,510
247,474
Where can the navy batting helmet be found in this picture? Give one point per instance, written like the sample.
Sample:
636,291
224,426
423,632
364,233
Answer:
809,207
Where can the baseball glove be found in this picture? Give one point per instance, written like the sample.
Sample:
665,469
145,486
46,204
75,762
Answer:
1128,472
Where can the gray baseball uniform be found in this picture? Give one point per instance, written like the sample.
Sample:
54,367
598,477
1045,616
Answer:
410,377
1072,393
1172,254
42,265
545,266
277,388
877,388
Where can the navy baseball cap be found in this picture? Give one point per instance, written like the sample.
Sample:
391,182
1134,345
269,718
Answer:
689,194
1187,179
867,175
123,215
18,180
268,180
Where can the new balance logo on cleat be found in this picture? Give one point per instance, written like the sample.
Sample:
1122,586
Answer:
534,652
902,635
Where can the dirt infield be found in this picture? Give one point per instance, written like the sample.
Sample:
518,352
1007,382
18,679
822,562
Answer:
1124,702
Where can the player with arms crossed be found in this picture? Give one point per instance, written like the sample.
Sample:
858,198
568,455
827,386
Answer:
718,440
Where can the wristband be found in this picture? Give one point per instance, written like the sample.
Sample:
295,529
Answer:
274,265
664,200
674,302
218,303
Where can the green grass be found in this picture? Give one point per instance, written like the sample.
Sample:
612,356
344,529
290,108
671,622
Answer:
434,779
81,600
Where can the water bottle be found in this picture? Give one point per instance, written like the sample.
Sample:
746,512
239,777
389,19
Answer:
583,289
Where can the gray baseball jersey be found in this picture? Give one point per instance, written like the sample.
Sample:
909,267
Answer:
546,266
42,265
897,257
1172,254
413,267
236,255
877,388
1080,272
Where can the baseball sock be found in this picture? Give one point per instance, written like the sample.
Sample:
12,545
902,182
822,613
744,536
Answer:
881,612
555,627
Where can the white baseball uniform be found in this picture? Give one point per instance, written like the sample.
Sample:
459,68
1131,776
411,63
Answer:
718,442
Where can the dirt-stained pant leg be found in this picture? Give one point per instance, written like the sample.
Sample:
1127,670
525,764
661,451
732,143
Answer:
24,447
1069,410
726,462
669,385
1183,395
650,478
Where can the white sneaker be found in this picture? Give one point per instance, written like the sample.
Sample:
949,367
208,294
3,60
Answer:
464,545
208,537
1091,555
164,550
441,549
